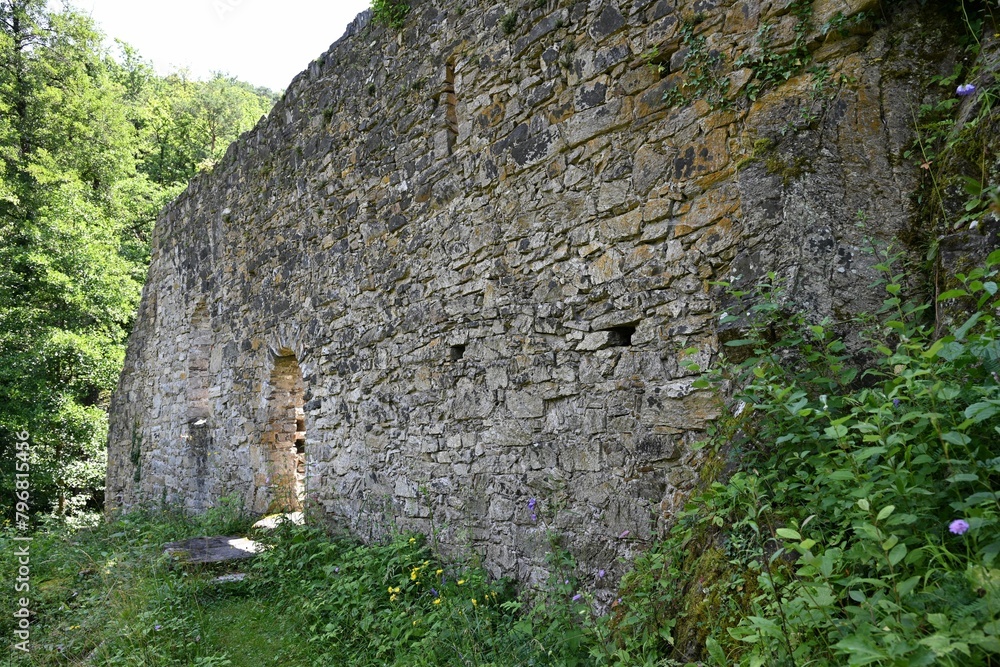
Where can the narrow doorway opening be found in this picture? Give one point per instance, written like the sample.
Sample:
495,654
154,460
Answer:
285,436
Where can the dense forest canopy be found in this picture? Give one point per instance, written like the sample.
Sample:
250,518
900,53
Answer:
92,144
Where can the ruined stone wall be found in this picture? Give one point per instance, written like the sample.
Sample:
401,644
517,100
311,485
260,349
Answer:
487,240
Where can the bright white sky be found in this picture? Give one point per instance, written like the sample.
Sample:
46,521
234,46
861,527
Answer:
263,42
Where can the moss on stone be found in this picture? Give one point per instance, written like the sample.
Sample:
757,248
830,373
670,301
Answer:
789,170
718,593
760,148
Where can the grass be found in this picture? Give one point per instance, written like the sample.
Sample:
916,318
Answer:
104,594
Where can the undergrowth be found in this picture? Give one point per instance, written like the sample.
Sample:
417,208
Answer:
860,525
106,595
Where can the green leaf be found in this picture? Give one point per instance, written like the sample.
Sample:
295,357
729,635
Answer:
979,412
987,497
907,586
939,621
860,651
972,186
835,432
715,650
885,512
788,534
934,349
951,351
897,554
956,438
969,323
866,453
952,294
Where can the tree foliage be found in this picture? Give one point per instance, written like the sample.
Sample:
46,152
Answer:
92,144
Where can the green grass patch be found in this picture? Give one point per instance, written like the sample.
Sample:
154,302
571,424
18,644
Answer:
106,595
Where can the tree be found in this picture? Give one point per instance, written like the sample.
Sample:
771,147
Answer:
91,147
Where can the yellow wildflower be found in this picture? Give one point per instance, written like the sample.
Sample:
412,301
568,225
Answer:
474,603
437,601
413,540
461,581
439,572
392,598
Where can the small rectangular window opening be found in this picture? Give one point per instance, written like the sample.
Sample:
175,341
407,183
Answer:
621,336
456,352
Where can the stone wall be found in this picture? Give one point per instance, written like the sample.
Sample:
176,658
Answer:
485,243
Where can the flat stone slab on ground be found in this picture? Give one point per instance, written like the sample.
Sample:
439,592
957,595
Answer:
271,521
212,549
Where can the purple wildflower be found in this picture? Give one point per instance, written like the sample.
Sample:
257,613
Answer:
600,574
533,517
336,569
623,535
434,592
157,627
965,90
531,504
577,597
958,526
895,402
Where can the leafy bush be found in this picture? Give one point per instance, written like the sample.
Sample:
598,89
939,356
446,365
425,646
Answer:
397,604
861,524
390,13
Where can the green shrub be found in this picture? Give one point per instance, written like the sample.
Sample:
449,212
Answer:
508,23
860,527
390,13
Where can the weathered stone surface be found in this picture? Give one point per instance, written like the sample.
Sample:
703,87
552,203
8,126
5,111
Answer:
205,550
421,306
272,521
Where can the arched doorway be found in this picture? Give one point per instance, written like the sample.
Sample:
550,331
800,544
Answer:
285,436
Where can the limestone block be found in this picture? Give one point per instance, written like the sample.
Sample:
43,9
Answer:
525,405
